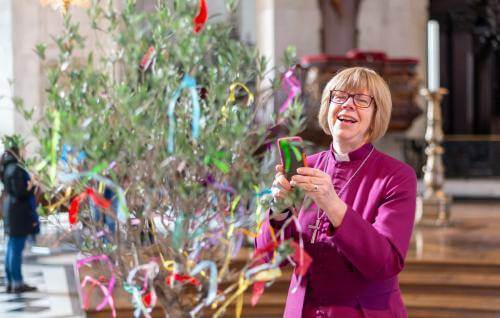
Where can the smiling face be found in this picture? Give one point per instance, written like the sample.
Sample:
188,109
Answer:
349,124
343,116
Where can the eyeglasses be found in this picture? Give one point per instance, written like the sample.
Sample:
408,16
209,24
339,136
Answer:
360,100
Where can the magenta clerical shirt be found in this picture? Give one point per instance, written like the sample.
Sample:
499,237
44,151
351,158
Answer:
355,267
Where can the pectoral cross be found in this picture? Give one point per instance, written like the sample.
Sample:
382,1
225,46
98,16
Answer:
314,227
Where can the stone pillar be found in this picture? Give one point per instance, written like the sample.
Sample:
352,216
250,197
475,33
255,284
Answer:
26,65
265,32
265,29
6,69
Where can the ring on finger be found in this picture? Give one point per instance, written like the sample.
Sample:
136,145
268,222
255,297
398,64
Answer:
315,188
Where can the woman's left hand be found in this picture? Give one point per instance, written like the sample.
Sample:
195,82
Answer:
318,186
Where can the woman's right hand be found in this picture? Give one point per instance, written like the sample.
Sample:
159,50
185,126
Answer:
281,188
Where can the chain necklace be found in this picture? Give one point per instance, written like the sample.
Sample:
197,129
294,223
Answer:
315,227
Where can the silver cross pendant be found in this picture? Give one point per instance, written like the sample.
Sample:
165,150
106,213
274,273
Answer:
314,227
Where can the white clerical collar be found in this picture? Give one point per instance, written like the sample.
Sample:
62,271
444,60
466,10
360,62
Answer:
341,156
357,154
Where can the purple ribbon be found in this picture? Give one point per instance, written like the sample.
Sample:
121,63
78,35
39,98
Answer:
219,186
293,88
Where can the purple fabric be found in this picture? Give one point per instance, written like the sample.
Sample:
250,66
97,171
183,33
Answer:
354,271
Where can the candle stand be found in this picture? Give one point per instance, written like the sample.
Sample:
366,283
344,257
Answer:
433,206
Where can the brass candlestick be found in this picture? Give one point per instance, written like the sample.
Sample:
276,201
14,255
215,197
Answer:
433,207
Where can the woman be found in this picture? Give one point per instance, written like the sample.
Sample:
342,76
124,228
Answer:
20,218
358,228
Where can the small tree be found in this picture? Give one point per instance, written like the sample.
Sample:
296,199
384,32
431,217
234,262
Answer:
159,140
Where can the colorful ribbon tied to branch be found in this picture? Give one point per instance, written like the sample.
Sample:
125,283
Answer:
147,58
232,97
107,291
302,259
189,83
183,279
68,155
210,180
201,18
75,203
212,279
51,158
143,293
56,136
260,280
217,158
291,83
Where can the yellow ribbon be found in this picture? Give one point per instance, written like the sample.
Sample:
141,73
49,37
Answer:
243,284
168,264
230,232
232,98
267,275
101,188
64,199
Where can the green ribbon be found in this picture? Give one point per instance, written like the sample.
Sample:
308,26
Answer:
56,136
216,160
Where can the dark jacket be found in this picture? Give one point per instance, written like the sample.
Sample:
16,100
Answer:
19,207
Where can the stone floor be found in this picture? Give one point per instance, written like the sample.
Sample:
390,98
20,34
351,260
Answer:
49,267
45,303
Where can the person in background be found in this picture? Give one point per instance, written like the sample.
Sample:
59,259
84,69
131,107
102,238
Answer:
20,217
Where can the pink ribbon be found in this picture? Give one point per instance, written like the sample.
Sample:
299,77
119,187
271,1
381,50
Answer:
106,290
294,87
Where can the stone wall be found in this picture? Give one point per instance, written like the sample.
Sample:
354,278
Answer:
397,27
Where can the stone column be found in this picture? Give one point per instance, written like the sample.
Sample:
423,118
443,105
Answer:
6,69
26,64
265,41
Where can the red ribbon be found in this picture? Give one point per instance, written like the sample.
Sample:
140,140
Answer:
257,291
146,299
201,17
301,258
182,279
265,249
75,203
147,59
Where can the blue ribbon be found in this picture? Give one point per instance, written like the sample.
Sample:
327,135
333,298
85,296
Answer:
189,83
266,191
68,150
212,279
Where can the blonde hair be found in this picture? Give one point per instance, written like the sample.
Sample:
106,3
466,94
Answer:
355,79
